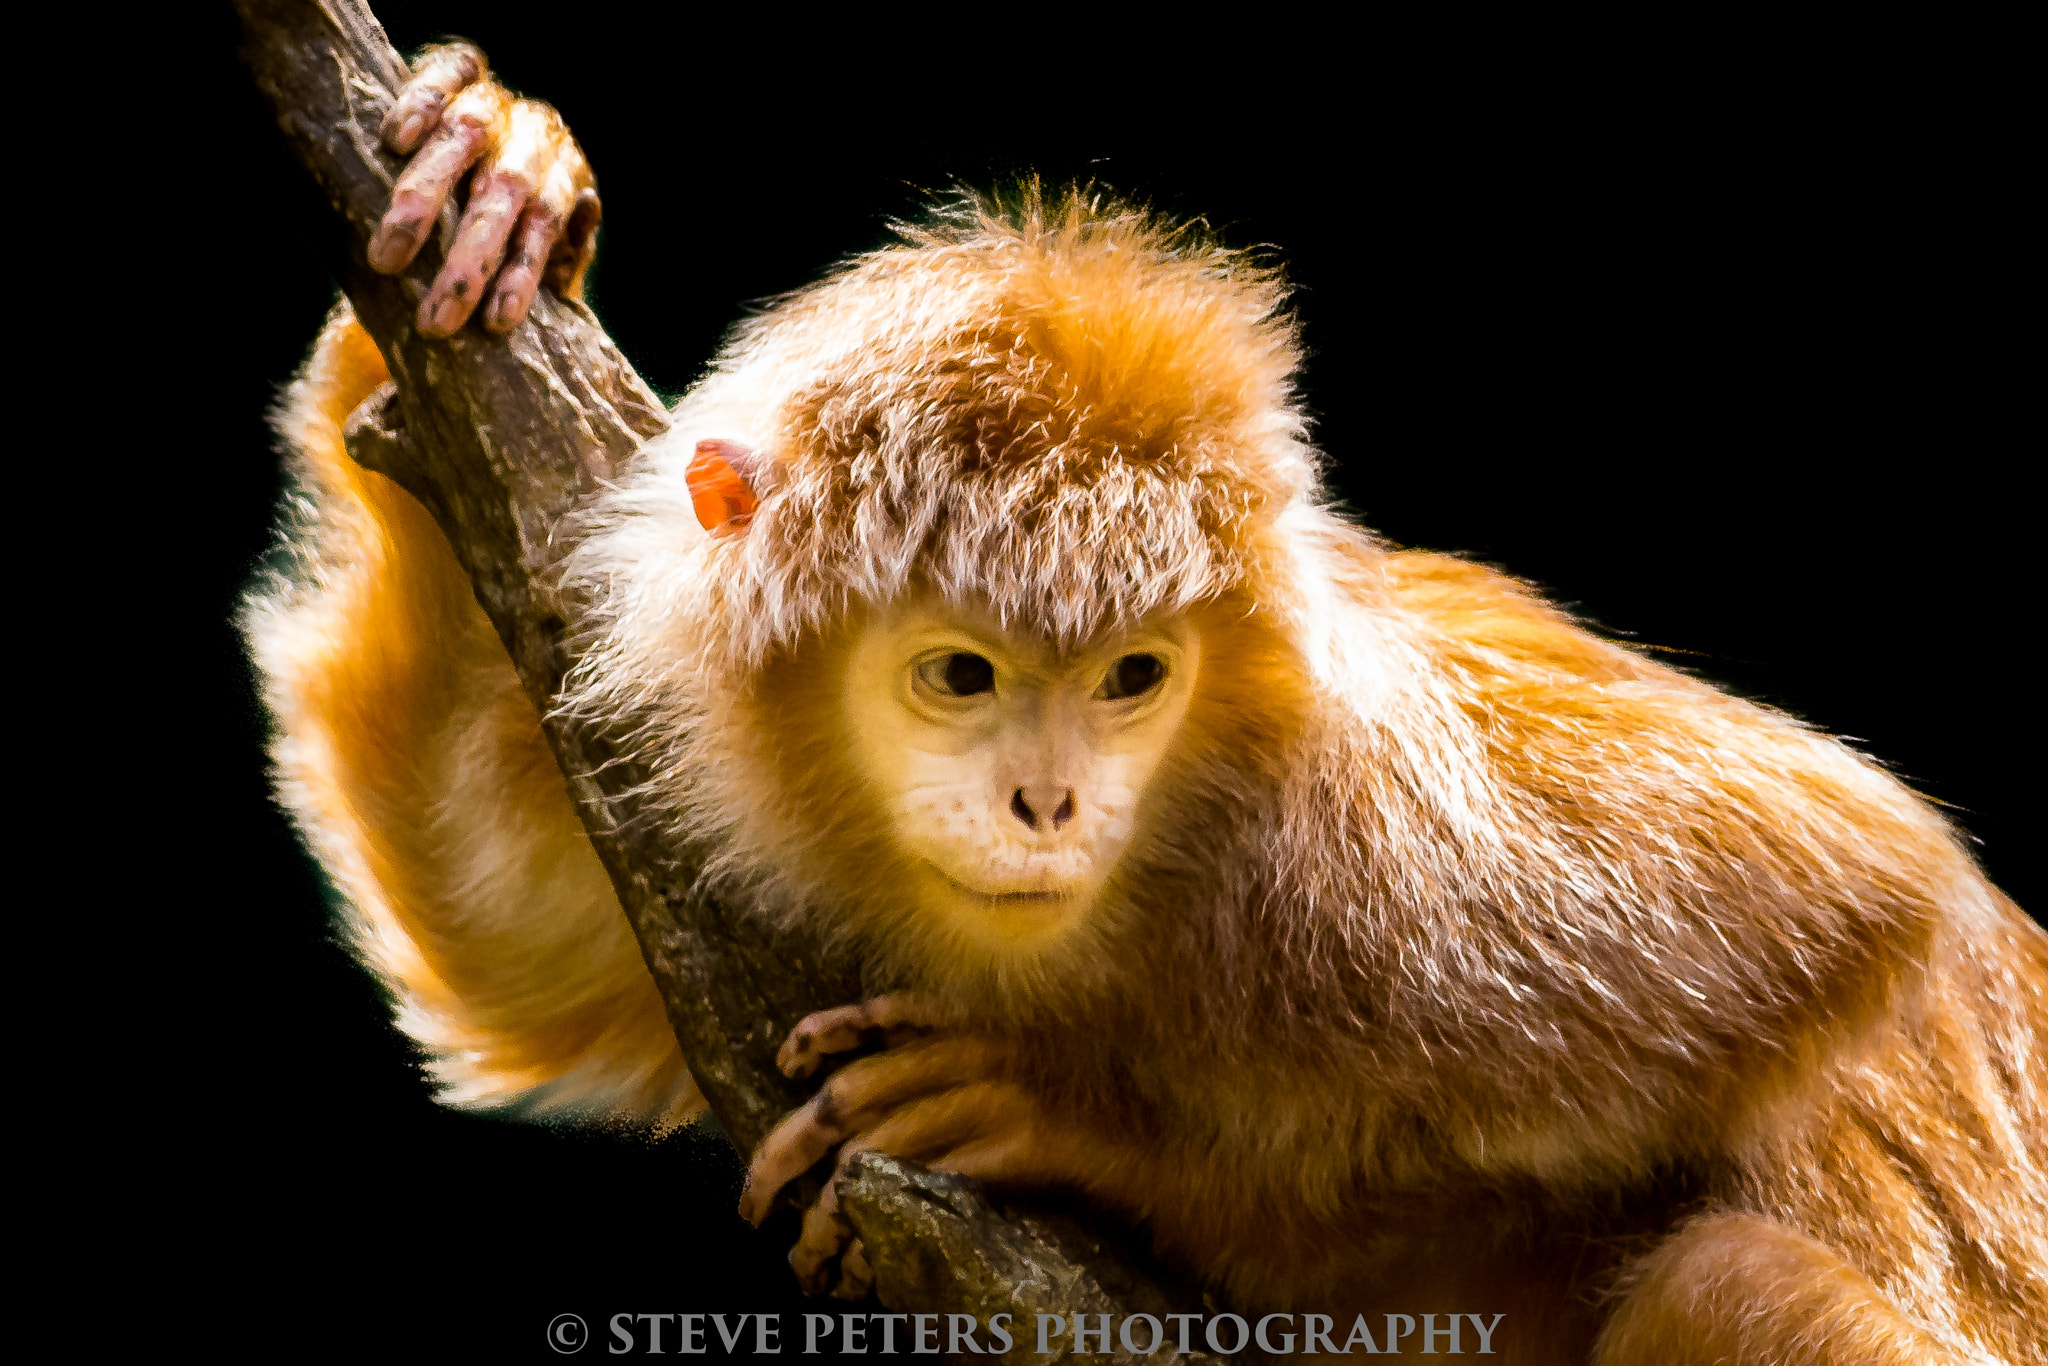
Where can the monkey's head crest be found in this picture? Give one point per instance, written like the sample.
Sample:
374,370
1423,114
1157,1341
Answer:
1066,412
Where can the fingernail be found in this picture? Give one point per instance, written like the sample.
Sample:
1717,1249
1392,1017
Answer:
410,129
437,315
393,244
448,314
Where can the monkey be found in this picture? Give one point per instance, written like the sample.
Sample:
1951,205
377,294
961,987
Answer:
1362,928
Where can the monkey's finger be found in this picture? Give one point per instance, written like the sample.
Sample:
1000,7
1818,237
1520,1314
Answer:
476,121
571,190
789,1151
494,209
818,1036
1020,1144
941,1123
856,1277
1016,1156
575,247
519,281
852,1101
825,1233
861,1094
542,149
961,1119
498,198
930,1125
438,75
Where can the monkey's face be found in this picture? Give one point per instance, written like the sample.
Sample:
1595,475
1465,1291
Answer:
1011,773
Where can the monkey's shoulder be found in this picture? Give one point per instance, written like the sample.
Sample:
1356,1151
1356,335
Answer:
1500,629
1583,734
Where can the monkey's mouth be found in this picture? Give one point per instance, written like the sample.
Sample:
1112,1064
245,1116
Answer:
1001,898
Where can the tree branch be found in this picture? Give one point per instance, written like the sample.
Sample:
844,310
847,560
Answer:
502,439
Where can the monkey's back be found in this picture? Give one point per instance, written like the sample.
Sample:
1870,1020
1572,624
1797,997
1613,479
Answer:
1903,1122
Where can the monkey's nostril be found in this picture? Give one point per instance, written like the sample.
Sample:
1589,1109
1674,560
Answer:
1023,811
1064,812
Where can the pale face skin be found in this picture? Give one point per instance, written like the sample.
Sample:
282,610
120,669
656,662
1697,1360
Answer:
1012,773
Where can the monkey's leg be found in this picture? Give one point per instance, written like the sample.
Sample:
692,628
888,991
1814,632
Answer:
416,767
1735,1289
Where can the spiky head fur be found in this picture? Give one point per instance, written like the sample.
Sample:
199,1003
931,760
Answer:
1066,410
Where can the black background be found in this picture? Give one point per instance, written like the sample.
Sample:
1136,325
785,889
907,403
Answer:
1711,335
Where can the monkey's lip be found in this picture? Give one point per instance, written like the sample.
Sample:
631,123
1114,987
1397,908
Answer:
1002,898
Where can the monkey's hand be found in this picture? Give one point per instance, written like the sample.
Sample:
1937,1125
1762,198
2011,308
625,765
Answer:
532,210
937,1096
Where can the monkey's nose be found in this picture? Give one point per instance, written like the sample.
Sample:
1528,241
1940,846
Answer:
1027,802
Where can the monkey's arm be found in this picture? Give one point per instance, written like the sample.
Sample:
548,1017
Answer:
413,761
406,747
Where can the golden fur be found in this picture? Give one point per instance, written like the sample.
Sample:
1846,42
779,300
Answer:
415,765
1463,961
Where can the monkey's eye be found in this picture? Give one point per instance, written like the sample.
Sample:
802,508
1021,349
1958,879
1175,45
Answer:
1132,676
959,674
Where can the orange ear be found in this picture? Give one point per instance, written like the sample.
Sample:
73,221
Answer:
724,500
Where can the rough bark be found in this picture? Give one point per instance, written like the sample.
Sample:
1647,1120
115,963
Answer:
502,439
